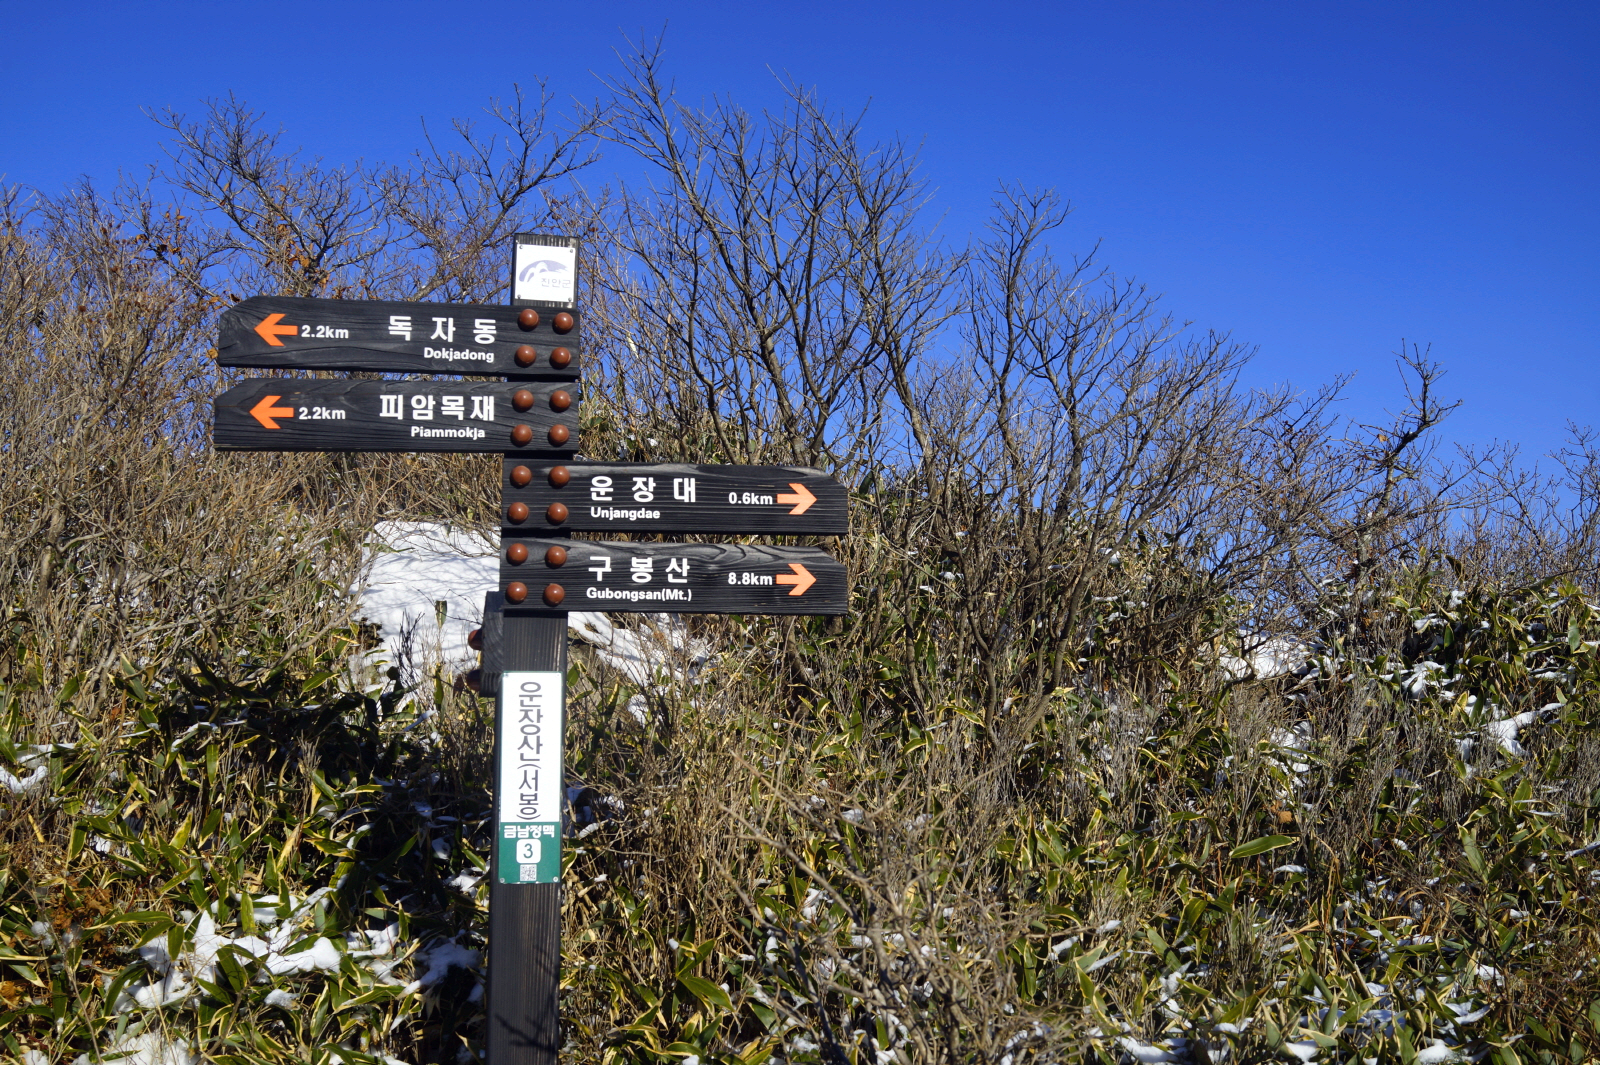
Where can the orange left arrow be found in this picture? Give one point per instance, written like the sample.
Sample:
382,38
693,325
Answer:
269,330
264,412
801,579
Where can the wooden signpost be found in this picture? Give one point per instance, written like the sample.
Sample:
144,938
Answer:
636,497
286,332
681,578
288,414
531,418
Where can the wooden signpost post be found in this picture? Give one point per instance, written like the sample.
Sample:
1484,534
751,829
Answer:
531,418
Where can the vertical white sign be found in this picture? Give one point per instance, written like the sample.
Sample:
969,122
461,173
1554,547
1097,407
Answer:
546,272
528,827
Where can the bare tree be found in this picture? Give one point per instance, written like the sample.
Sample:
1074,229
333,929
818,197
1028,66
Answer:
772,279
434,229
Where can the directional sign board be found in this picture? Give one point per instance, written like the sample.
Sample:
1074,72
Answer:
544,271
680,578
636,497
285,332
292,414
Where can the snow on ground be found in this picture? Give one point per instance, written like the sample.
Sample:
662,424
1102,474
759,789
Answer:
660,644
175,978
1264,657
410,567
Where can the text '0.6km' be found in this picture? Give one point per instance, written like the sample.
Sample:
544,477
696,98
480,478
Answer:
638,497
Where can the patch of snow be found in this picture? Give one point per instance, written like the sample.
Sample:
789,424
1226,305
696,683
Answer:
408,567
377,942
322,954
152,1048
176,978
659,646
1291,742
1145,1053
1262,658
1503,730
435,962
24,785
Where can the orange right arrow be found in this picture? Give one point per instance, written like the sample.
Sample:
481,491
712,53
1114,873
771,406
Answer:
269,330
801,578
801,495
264,411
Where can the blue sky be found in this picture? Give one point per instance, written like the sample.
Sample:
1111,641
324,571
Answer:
1320,179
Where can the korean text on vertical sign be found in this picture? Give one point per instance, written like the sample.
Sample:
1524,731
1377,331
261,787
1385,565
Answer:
528,832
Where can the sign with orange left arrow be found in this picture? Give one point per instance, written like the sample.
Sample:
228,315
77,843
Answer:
533,420
635,497
565,575
479,340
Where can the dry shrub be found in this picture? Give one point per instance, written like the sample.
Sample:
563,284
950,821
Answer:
1013,806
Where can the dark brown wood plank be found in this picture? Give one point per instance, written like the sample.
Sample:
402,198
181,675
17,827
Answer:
459,416
679,578
431,338
636,497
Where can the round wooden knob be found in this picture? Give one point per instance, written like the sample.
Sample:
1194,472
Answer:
522,399
560,399
562,322
529,318
559,476
517,513
556,513
522,436
516,592
555,555
554,593
559,434
560,358
525,355
517,554
520,476
475,639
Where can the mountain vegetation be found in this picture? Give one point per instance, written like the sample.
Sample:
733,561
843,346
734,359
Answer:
1173,720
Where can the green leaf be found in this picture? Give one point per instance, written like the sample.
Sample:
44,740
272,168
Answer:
1261,845
1469,843
316,681
706,991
